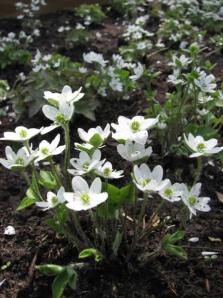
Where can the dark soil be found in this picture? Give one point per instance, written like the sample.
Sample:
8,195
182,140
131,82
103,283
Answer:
34,243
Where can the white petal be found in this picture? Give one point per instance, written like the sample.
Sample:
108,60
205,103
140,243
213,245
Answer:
79,184
50,112
96,186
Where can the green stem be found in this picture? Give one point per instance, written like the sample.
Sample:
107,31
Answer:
34,172
80,231
55,172
198,170
67,156
142,210
26,178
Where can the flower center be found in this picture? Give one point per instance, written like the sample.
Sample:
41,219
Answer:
201,147
146,181
60,118
135,126
23,133
45,151
168,192
107,172
20,161
85,198
192,200
85,166
54,200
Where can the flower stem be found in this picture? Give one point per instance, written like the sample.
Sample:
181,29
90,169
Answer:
26,178
55,172
198,170
34,173
143,209
67,155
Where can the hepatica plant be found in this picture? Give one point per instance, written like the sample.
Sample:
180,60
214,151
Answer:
85,205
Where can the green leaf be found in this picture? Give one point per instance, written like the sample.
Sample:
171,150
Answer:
116,198
176,250
59,284
89,252
31,194
47,180
178,235
50,269
96,140
26,202
55,226
72,274
172,238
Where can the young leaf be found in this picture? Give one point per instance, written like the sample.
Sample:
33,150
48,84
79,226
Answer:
59,284
26,202
50,269
89,252
176,250
47,180
72,274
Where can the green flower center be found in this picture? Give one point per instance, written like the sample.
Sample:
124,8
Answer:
146,181
85,198
192,200
107,172
168,192
20,161
23,133
60,118
54,200
45,151
135,126
201,147
85,166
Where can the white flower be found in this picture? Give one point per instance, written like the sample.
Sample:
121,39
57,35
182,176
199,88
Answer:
203,98
61,114
21,159
147,180
192,200
85,163
94,57
94,136
107,171
138,72
134,129
52,200
181,62
85,197
200,146
21,134
9,231
47,149
171,192
206,83
175,77
133,151
116,84
66,95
